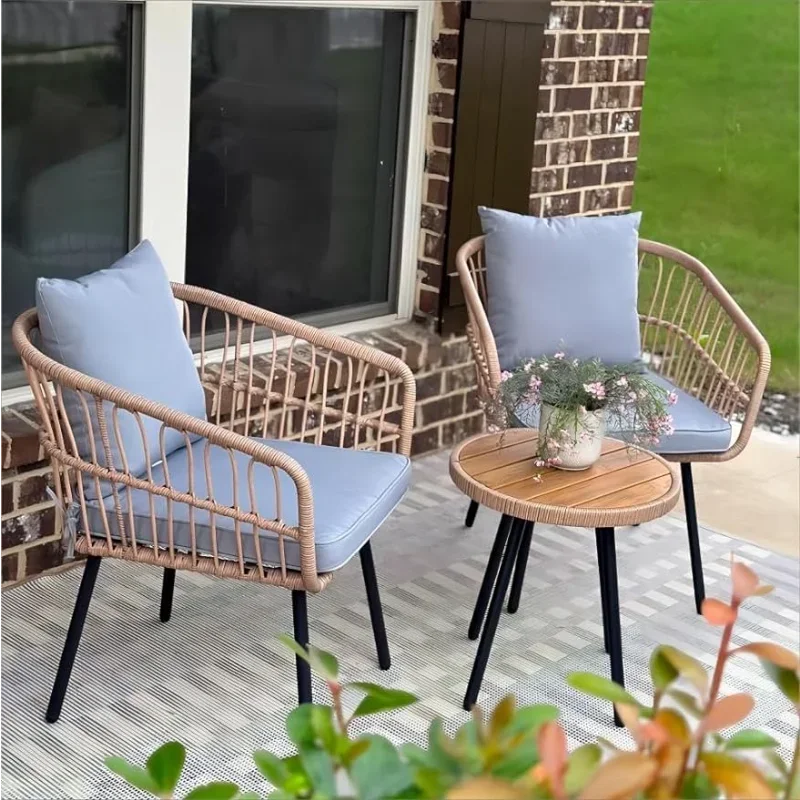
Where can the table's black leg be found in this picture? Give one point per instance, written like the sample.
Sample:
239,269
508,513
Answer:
495,608
489,576
603,593
519,572
608,581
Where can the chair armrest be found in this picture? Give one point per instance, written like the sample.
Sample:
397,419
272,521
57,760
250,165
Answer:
265,366
704,341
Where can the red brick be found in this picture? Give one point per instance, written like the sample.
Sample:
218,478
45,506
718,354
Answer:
624,121
600,199
571,152
446,46
439,410
434,246
425,441
577,45
43,557
10,565
636,96
552,127
584,175
596,71
637,17
602,149
559,205
620,171
437,191
32,490
23,450
545,96
643,44
28,528
558,73
594,124
617,44
600,17
448,75
428,302
540,155
547,180
451,15
535,206
458,430
626,196
564,18
456,351
433,219
442,134
440,104
611,97
438,162
460,378
575,99
631,69
472,401
429,385
633,147
8,497
549,46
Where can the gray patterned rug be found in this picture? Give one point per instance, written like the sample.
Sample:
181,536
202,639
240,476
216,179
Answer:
216,678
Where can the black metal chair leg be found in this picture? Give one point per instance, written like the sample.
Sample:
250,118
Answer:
492,566
375,608
300,617
493,617
73,638
472,512
519,571
603,593
608,579
694,535
167,592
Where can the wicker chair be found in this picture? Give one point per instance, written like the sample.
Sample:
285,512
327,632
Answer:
227,504
693,334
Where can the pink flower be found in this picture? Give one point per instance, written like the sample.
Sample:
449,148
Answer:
539,462
596,390
672,398
623,381
534,385
505,375
544,366
559,356
632,396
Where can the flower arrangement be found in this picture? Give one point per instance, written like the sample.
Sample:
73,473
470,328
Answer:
520,753
579,400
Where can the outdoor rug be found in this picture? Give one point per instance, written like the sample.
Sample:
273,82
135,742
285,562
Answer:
216,678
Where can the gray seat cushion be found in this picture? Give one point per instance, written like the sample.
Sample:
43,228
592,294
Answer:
698,429
563,283
354,491
121,325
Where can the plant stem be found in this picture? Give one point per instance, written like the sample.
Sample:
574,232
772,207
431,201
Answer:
722,658
336,696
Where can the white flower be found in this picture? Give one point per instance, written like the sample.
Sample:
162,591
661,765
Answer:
623,381
672,398
505,375
544,366
595,389
559,356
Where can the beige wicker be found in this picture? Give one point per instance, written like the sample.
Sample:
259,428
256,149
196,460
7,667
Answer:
692,330
312,386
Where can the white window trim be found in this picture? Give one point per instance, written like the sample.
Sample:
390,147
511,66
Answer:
165,144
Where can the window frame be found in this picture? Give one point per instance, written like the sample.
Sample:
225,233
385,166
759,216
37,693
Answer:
160,145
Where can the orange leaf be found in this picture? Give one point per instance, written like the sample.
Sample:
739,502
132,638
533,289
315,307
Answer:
726,712
718,613
765,588
745,581
552,745
622,777
670,760
482,787
739,779
630,719
652,732
675,725
773,653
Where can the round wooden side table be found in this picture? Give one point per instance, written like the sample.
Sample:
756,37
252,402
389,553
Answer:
626,486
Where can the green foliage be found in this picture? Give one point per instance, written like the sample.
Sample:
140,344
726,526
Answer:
521,753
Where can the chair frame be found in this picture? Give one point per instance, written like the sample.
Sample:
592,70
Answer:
695,334
311,386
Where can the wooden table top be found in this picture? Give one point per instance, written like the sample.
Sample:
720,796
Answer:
625,486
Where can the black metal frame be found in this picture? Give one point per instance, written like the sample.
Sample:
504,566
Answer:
694,535
299,621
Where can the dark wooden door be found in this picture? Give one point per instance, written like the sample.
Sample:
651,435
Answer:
498,91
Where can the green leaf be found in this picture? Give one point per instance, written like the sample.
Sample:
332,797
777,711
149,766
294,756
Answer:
688,667
517,761
378,772
440,753
379,698
165,766
688,702
698,786
296,648
323,662
135,776
749,739
662,672
582,763
776,762
320,770
323,727
531,718
299,726
601,687
218,790
248,796
786,680
271,767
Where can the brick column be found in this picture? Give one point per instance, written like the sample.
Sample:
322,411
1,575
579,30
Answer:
590,101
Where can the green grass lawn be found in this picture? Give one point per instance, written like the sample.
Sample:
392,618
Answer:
718,166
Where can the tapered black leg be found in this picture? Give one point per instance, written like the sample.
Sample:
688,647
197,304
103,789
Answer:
375,608
493,617
603,593
608,579
519,571
694,535
472,512
73,638
300,616
167,591
492,566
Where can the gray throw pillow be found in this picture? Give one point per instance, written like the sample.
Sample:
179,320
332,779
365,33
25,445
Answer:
121,325
563,282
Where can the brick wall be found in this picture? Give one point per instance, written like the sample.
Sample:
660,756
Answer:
590,101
